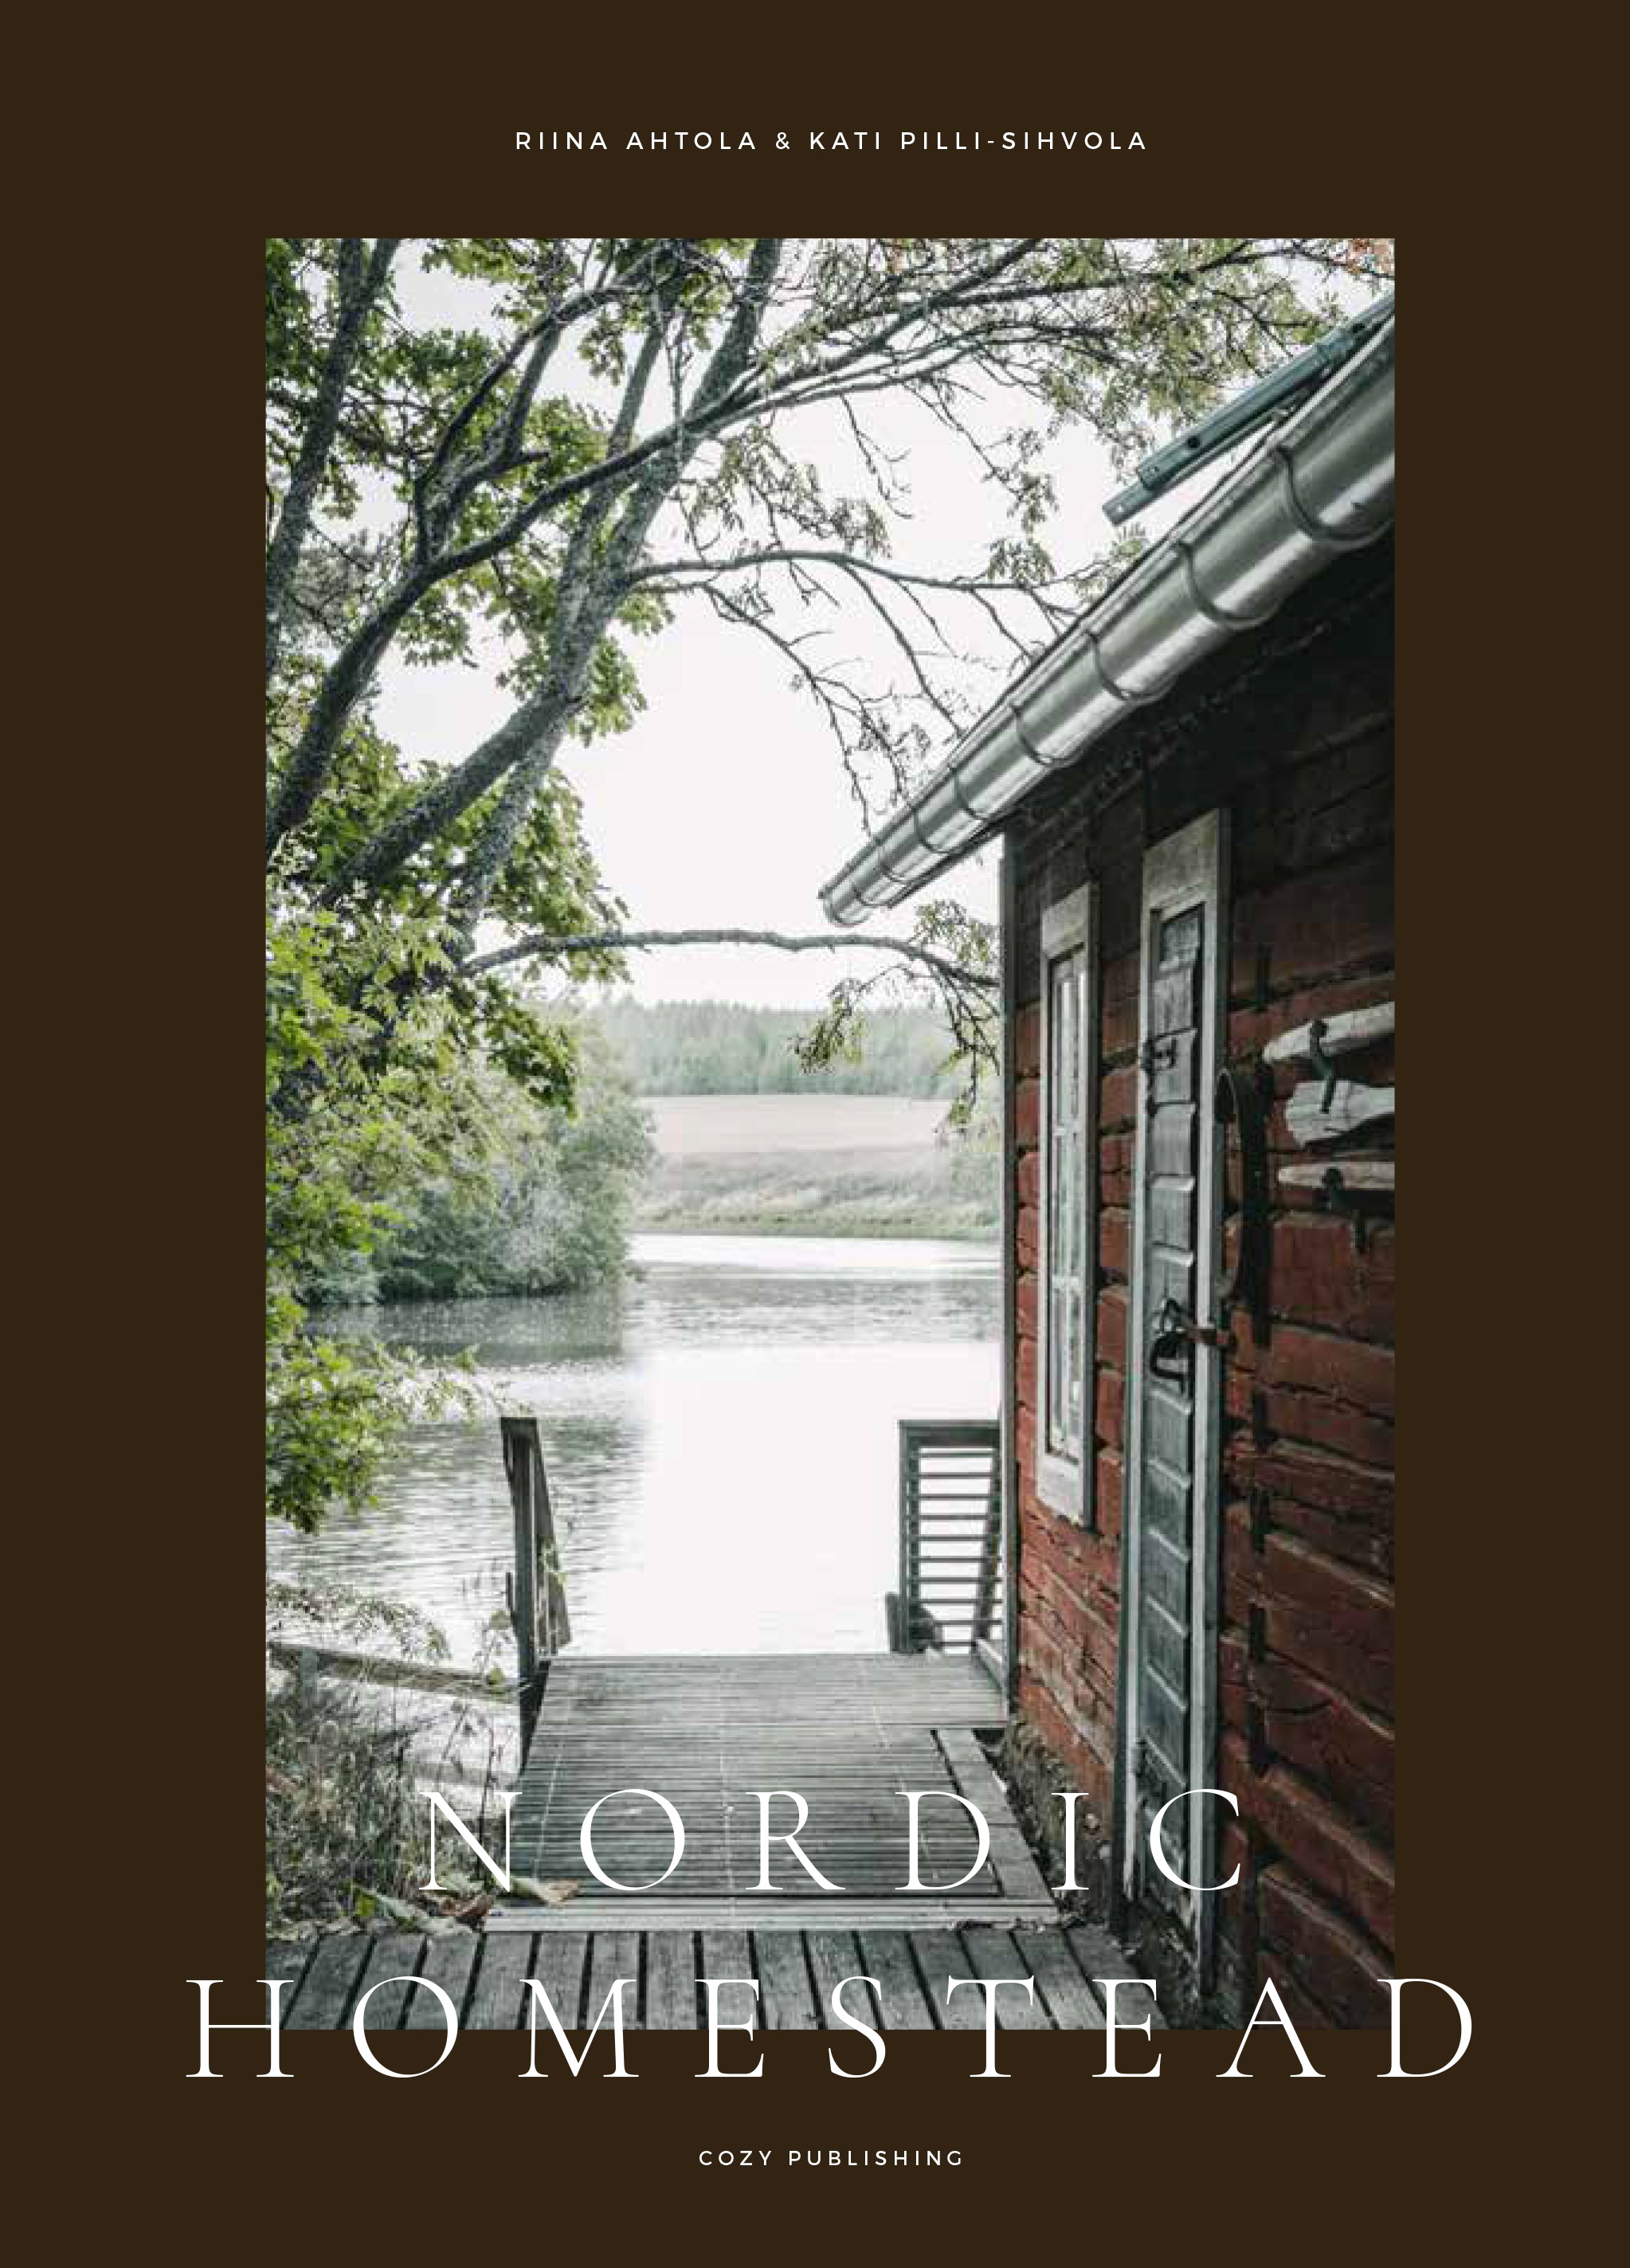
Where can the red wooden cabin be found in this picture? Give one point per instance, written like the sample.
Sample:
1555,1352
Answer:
1193,791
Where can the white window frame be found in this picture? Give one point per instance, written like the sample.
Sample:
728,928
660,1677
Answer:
1062,1483
1189,868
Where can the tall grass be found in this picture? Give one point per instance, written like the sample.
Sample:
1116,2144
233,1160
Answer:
350,1765
341,1815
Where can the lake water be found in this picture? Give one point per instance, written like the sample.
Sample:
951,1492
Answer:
721,1438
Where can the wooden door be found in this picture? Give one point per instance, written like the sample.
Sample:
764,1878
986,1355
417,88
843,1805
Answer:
1170,1678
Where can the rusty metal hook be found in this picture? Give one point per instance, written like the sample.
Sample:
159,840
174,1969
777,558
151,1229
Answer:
1238,1101
1323,1067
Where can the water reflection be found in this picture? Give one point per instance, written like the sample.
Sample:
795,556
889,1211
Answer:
721,1440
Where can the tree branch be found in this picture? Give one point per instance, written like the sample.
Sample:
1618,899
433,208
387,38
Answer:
531,735
854,562
730,392
631,940
360,282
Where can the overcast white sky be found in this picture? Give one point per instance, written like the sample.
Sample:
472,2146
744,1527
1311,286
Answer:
727,803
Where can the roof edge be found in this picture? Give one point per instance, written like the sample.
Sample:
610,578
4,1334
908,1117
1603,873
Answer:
1321,483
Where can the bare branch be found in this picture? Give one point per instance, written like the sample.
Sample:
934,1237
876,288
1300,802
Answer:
632,941
853,563
1095,332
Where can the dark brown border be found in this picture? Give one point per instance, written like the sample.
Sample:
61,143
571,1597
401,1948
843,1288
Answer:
176,1087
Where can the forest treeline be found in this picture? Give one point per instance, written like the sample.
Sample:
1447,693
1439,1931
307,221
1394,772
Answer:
724,1047
535,1201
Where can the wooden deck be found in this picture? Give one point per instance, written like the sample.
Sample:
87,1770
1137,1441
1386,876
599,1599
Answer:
852,1733
485,1977
849,1732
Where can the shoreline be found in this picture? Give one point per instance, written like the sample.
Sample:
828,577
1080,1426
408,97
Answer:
799,1231
881,1229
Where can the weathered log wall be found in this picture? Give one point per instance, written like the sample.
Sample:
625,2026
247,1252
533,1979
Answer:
1291,731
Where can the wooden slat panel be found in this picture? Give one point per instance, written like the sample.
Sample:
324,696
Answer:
1166,1575
1166,1645
1173,998
1169,1158
1173,1079
1164,1723
1170,1422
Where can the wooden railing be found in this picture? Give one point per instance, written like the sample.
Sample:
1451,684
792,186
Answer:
537,1594
949,1597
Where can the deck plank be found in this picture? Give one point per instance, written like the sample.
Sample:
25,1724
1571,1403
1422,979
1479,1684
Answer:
993,1953
940,1955
1070,2001
785,1993
671,1981
448,1962
328,1986
615,1953
794,1970
395,1956
834,1954
885,1953
560,1965
501,1970
285,1964
1099,1955
728,1953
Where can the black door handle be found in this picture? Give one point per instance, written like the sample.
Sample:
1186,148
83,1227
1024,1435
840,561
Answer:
1176,1331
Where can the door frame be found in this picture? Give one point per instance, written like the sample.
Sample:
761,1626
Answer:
1185,869
1006,942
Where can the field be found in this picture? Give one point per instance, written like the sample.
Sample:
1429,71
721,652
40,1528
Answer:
731,1125
831,1165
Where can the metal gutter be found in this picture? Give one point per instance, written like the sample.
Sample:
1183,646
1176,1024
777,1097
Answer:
1320,483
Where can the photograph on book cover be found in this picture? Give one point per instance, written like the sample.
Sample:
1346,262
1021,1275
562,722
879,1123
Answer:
831,1010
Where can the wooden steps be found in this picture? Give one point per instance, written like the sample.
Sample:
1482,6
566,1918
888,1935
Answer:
852,1733
486,1977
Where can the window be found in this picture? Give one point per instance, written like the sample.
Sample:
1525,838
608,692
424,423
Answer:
1069,1186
